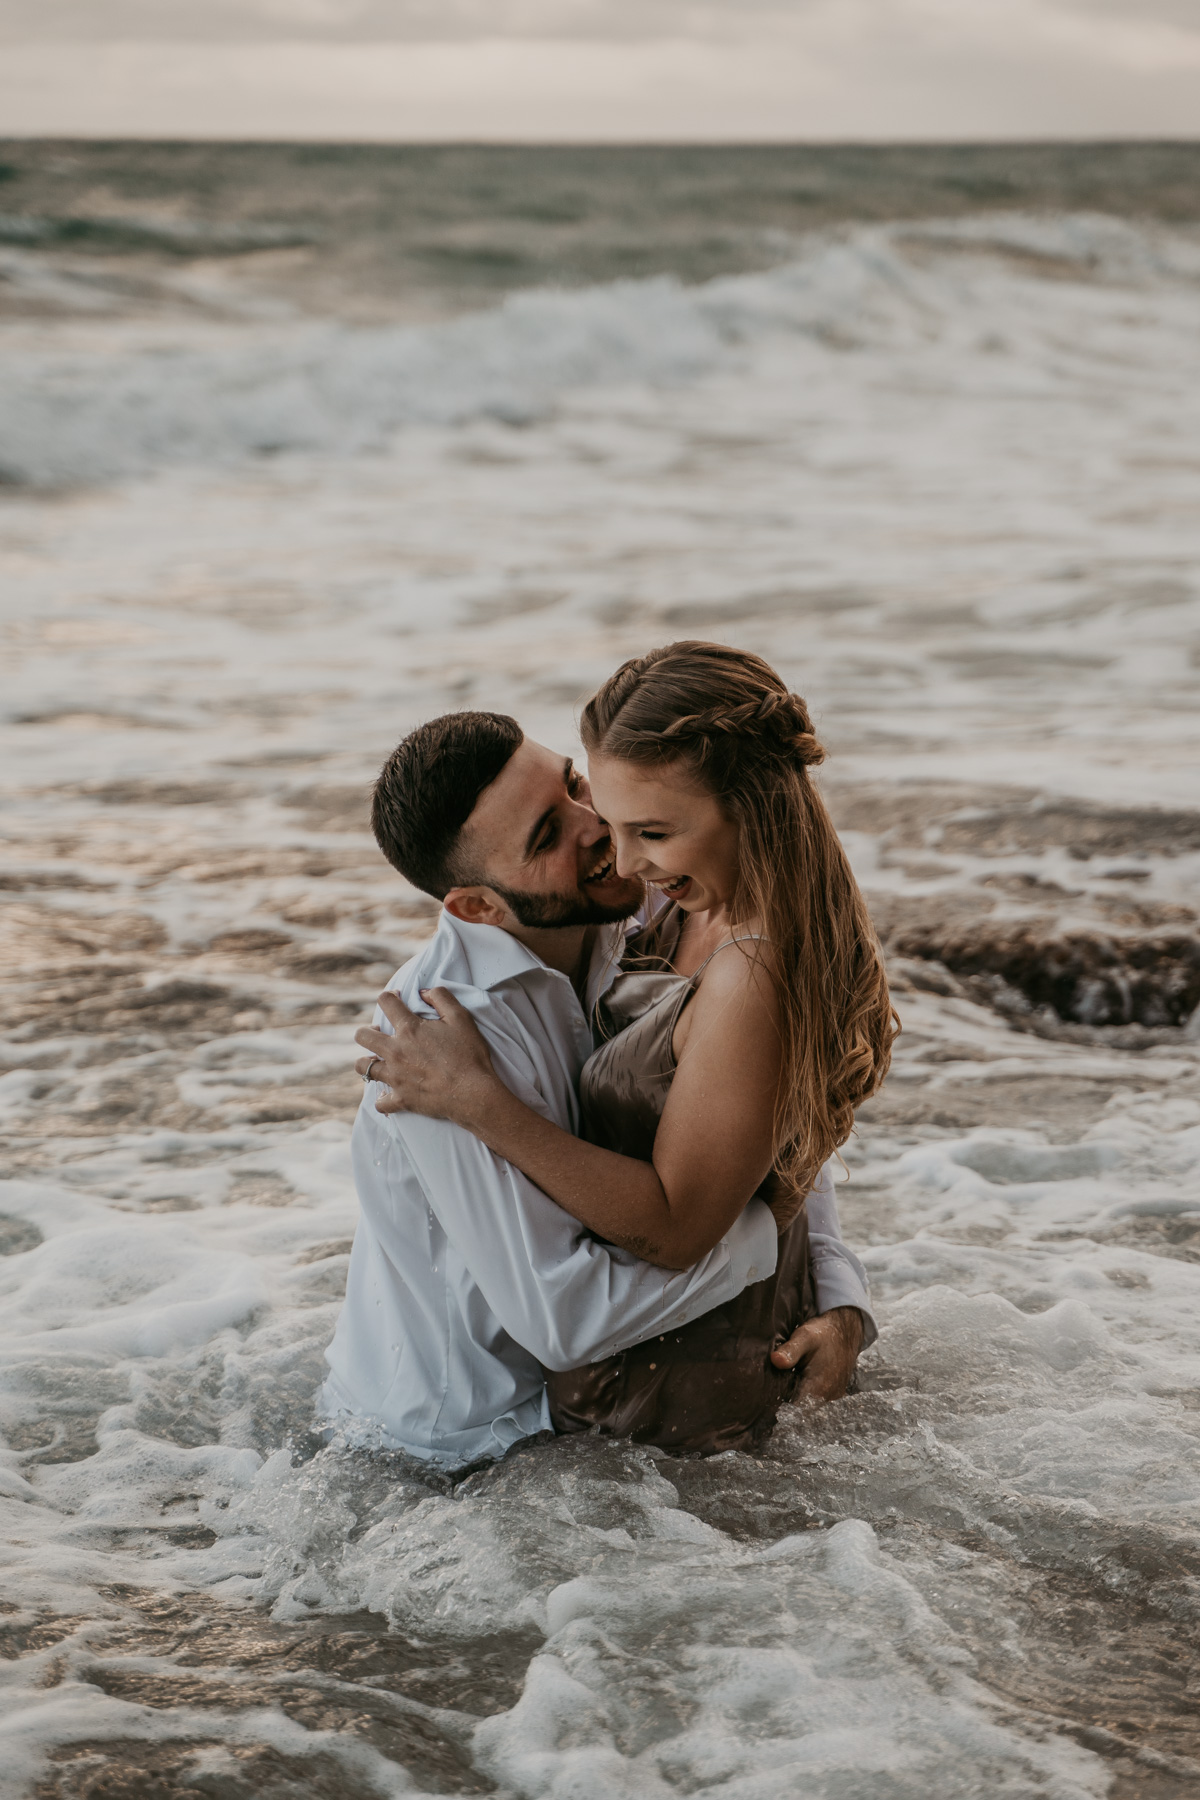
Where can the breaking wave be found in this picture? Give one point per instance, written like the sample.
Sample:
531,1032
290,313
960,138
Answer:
131,403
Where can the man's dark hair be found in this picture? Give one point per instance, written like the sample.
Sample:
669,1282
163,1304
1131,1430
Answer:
427,791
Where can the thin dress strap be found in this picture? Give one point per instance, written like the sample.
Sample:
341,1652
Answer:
751,937
687,987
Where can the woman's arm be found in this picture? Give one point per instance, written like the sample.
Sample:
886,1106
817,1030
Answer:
713,1147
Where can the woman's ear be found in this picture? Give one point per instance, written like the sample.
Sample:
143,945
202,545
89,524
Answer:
476,906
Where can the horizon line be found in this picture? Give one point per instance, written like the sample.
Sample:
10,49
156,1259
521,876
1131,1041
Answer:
235,140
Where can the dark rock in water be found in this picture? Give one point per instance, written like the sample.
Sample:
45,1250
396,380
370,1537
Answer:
1081,827
17,1235
1084,977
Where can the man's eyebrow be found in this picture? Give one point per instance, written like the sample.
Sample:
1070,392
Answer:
541,823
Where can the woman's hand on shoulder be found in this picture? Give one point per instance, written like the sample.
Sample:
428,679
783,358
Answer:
439,1068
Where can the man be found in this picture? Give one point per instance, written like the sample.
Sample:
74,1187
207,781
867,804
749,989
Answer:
466,1280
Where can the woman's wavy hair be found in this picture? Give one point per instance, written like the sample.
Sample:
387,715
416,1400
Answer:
728,718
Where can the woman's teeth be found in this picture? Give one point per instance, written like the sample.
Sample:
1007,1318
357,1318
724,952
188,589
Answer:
675,885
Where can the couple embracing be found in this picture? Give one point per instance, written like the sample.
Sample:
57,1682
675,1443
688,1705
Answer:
594,1154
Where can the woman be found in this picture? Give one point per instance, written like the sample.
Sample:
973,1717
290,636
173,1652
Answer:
749,1019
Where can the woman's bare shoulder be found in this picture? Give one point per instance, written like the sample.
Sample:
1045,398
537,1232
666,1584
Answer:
732,1017
742,976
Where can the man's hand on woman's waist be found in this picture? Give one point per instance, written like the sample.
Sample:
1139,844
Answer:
828,1347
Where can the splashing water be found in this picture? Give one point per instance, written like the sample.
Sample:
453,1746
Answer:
942,474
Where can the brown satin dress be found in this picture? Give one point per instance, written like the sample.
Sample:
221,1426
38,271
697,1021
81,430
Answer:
710,1385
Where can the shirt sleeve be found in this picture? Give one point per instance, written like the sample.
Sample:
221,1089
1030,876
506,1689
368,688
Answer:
838,1276
565,1297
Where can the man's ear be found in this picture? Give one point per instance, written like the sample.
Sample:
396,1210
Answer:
476,906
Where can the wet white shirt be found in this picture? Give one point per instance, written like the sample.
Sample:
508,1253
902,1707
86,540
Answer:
839,1279
465,1279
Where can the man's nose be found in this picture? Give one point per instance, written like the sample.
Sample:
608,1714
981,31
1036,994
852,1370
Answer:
580,804
630,859
593,832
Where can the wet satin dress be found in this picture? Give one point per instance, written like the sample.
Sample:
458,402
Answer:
710,1385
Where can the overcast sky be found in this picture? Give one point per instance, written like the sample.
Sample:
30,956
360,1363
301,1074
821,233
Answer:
601,70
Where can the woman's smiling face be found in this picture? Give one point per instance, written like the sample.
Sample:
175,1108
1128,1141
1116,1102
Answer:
667,829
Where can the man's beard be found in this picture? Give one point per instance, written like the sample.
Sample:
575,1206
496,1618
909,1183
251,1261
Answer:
541,912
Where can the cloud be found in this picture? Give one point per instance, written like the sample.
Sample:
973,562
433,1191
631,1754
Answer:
607,70
456,21
393,21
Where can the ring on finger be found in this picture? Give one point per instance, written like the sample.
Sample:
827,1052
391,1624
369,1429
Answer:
368,1078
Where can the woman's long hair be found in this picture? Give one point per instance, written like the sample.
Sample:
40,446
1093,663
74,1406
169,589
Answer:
726,716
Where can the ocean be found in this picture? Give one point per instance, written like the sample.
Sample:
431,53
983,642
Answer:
302,445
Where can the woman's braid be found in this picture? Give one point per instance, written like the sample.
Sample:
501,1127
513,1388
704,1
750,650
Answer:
777,721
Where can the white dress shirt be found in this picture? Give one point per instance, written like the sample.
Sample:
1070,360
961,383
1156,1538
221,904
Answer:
839,1279
465,1279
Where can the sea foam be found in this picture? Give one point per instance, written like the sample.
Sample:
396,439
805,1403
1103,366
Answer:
944,478
130,400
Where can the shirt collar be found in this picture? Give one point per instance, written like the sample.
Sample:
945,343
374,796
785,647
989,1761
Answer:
483,956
